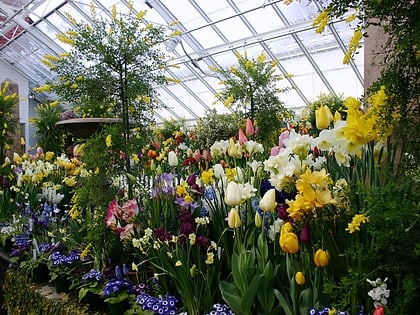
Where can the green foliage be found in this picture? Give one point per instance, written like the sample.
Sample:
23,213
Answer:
169,127
214,127
395,225
18,290
334,103
400,63
49,137
112,67
8,122
250,91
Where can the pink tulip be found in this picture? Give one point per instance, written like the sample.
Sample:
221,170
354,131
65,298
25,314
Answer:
249,129
283,136
242,137
275,151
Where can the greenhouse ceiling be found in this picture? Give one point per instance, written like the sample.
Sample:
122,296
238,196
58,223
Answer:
212,31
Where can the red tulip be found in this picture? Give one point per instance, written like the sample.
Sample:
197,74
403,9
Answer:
379,310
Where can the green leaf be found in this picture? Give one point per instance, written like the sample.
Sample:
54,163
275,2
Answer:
231,296
306,301
248,298
283,302
82,293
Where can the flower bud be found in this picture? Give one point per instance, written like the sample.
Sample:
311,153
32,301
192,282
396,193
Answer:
258,220
337,117
233,194
249,129
321,258
172,159
234,221
241,137
305,235
268,201
323,117
300,278
218,170
288,240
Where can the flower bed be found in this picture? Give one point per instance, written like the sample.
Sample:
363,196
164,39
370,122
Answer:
302,230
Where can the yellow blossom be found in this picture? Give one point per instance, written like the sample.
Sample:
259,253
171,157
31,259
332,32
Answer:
85,251
300,278
193,270
321,258
357,220
228,102
210,258
234,220
207,177
178,263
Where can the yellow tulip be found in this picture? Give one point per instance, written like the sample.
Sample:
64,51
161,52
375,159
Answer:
268,201
337,117
300,278
321,258
323,117
234,221
289,242
258,220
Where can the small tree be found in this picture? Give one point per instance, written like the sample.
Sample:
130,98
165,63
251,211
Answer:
48,137
251,91
8,121
111,70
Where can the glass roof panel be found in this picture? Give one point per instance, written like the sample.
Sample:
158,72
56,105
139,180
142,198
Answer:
212,30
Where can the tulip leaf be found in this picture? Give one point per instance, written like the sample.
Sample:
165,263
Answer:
306,301
231,296
283,302
248,298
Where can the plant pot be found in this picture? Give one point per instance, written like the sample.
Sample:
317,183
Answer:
118,308
93,301
62,285
41,273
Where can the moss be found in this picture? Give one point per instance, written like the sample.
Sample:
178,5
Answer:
18,290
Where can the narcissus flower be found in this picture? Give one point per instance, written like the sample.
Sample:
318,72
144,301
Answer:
321,258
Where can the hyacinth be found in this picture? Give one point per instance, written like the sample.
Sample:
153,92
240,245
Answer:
167,305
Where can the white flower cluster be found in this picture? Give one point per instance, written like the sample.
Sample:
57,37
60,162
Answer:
379,293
